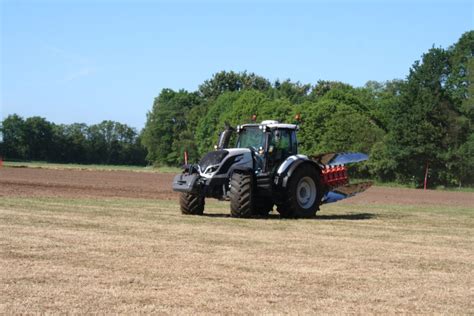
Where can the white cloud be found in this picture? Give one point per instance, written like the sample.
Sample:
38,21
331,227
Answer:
83,72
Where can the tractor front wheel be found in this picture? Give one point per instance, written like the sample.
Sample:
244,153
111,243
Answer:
191,204
241,195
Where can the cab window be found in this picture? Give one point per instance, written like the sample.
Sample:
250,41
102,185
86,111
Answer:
250,137
284,144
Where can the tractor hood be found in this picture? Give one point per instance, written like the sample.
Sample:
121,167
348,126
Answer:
222,160
212,158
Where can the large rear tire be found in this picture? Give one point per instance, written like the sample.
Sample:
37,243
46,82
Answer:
191,204
241,195
304,193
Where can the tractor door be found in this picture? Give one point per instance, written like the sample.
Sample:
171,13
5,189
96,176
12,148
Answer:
282,145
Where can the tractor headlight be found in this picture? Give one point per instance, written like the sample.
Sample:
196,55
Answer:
211,169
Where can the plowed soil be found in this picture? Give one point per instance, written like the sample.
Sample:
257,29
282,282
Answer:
30,182
35,182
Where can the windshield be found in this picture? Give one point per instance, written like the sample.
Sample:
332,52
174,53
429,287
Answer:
250,137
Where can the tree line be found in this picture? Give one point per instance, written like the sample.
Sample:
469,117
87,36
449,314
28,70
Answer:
37,139
407,126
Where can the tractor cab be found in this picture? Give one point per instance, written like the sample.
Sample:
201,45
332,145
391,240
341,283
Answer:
270,141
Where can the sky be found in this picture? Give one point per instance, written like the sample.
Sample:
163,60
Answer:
88,61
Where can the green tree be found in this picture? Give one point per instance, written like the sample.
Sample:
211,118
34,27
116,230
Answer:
423,125
39,138
460,80
70,143
165,124
330,125
464,167
224,81
111,142
324,86
13,130
209,125
295,92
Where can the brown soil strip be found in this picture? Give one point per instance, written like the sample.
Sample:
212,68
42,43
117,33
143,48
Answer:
84,183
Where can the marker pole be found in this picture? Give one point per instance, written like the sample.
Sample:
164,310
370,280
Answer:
426,174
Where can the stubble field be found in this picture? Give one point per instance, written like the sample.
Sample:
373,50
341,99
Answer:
114,241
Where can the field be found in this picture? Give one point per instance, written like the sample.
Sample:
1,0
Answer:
73,166
114,241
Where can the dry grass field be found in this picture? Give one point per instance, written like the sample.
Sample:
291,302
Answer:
128,255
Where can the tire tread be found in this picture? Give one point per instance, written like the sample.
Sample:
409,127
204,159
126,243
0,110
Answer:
241,195
191,204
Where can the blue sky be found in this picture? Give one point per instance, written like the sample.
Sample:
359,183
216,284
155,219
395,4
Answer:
87,61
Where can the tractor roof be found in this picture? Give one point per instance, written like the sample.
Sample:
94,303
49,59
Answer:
272,124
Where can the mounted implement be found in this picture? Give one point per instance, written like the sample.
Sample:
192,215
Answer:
264,170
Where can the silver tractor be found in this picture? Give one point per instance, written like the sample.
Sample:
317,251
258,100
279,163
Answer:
264,169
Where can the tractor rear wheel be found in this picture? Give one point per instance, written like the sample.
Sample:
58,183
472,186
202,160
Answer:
303,194
241,195
191,204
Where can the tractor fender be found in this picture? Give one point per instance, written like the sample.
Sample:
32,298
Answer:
287,168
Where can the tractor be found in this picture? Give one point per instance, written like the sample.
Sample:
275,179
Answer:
265,170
